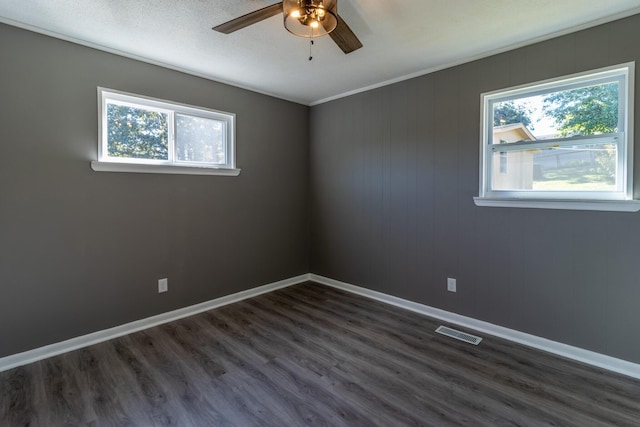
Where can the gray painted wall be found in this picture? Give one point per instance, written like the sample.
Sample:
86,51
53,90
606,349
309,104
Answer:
393,173
81,250
392,176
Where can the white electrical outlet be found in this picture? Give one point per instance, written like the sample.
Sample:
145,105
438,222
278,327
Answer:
163,285
451,284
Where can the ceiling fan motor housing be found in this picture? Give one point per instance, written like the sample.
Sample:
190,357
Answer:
310,18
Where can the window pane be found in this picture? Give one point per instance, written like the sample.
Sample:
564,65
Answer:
588,110
567,168
136,132
199,140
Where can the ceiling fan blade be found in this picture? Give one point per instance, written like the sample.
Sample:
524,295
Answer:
249,19
344,37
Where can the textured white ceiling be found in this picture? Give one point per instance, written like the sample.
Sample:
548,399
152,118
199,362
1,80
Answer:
400,37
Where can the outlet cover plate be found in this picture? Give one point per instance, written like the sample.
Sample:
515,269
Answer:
163,285
451,284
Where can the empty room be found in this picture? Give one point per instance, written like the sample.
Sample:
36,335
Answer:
319,212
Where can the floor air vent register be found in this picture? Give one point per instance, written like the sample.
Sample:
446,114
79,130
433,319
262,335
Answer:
462,336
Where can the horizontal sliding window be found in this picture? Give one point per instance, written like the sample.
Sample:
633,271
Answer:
568,138
145,131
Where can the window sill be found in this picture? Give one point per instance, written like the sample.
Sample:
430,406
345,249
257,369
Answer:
582,205
176,170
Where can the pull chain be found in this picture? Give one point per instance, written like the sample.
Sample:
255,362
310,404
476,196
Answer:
311,44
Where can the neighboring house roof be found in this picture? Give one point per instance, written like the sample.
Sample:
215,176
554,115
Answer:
512,133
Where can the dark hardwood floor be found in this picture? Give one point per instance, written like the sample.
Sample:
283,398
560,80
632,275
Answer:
312,355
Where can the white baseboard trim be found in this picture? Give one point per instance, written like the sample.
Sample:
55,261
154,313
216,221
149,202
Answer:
55,349
585,356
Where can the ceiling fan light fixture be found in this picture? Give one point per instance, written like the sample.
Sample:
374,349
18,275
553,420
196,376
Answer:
310,18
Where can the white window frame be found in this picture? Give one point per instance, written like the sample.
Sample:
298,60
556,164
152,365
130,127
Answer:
619,200
106,163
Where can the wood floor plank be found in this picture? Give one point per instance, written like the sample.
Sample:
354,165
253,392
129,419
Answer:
475,367
159,401
298,376
213,366
291,405
406,372
312,355
525,373
64,401
175,376
15,408
344,353
97,377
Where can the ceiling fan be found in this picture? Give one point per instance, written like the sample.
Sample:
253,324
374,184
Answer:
304,18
